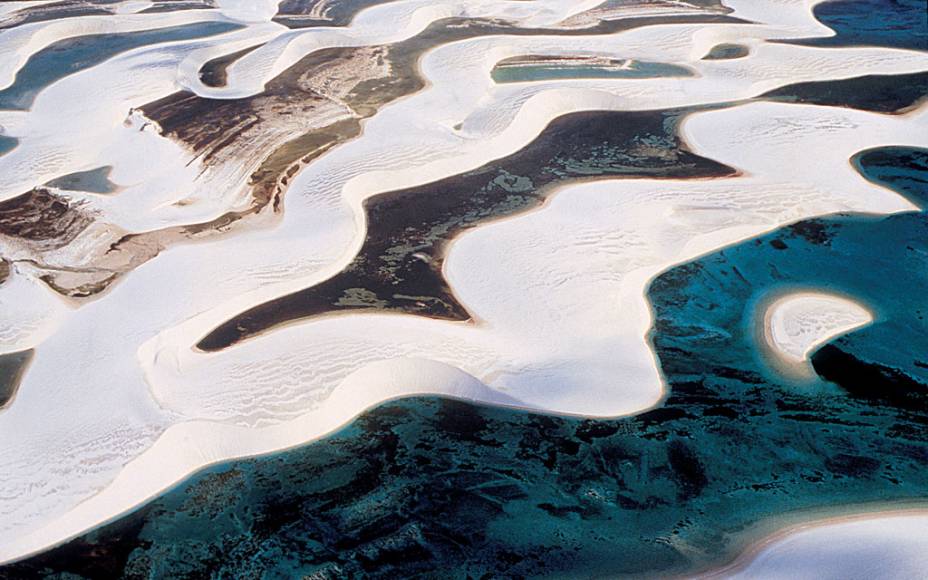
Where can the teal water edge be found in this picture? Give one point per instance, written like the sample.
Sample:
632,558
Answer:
876,93
427,485
517,73
72,55
7,144
12,367
445,489
727,51
902,169
92,181
890,23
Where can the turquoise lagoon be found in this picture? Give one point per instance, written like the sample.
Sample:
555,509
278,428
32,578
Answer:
72,55
544,71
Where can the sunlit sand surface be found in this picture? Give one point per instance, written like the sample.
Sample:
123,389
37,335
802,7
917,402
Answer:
230,228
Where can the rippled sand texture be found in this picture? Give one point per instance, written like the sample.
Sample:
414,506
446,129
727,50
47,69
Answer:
237,232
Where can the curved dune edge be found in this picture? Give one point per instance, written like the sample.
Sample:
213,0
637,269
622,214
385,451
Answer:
208,195
20,43
856,545
205,442
196,191
29,313
183,448
796,323
169,157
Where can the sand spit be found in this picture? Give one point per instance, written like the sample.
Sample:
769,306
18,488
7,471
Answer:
214,73
559,325
796,323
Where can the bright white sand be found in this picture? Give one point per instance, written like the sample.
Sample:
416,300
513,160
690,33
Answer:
29,311
798,323
561,322
893,546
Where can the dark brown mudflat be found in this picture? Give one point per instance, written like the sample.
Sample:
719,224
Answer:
399,267
41,216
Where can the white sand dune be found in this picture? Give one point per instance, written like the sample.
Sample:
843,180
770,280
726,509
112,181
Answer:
560,323
892,546
379,24
797,323
23,41
29,312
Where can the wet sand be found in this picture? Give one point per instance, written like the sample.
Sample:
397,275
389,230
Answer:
42,217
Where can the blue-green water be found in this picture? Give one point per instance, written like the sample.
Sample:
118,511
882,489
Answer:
93,181
12,366
517,73
7,144
902,169
450,490
72,55
727,51
890,23
877,93
55,11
